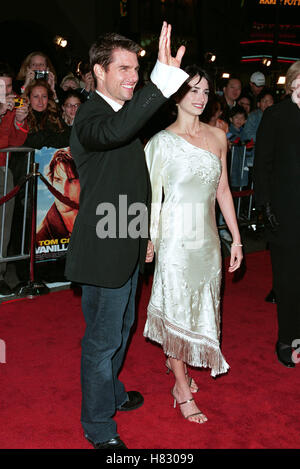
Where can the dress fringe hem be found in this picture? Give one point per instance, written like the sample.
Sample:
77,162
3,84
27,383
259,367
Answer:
201,352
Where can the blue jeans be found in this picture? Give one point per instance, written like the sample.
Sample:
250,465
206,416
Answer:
109,314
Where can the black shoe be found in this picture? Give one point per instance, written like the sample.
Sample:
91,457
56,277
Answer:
135,400
284,354
112,444
4,288
271,298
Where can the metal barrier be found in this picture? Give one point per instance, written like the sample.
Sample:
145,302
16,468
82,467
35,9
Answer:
30,159
237,160
30,288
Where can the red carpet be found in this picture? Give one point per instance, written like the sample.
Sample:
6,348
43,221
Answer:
256,405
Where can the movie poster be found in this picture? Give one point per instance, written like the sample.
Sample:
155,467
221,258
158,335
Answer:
55,219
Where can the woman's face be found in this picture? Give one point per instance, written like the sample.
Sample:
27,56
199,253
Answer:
195,100
296,91
70,106
245,103
266,102
69,84
38,62
39,98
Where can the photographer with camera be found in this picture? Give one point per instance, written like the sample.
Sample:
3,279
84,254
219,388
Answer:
13,133
35,66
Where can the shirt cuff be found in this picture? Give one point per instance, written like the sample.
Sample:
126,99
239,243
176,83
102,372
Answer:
167,78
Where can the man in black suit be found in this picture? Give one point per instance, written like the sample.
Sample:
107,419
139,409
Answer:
277,191
109,242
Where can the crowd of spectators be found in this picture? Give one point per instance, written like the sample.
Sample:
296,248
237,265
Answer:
44,112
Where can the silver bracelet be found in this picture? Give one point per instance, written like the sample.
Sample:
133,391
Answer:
236,244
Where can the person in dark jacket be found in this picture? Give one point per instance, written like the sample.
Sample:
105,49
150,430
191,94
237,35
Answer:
277,191
109,241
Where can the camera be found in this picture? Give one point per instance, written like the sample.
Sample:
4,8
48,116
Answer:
41,74
19,102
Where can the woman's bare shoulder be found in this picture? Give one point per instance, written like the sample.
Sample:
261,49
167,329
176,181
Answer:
218,134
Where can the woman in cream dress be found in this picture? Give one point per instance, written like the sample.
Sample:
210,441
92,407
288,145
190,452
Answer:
187,167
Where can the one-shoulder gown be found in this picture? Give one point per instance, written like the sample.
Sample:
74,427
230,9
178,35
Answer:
184,309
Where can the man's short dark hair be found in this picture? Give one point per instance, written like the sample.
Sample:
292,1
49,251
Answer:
101,51
6,70
237,109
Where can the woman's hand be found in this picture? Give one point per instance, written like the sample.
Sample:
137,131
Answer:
150,252
236,258
164,51
89,82
8,105
21,113
30,75
51,82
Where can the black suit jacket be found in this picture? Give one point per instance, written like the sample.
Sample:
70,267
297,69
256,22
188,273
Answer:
110,161
277,168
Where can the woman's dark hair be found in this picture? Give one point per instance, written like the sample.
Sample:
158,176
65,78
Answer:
193,71
214,103
70,93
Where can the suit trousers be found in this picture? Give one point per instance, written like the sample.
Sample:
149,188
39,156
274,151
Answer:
109,315
286,280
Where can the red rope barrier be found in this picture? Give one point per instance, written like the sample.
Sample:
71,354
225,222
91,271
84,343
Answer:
65,200
242,193
10,195
58,195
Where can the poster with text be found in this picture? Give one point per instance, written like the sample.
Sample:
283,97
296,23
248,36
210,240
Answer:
55,219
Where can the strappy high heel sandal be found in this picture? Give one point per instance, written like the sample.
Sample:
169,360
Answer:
191,415
191,382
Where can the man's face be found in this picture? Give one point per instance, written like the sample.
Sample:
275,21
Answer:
67,184
119,80
255,89
233,90
238,120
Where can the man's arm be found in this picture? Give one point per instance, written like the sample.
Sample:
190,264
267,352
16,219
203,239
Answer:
102,132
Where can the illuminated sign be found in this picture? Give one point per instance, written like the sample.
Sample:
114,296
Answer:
291,3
